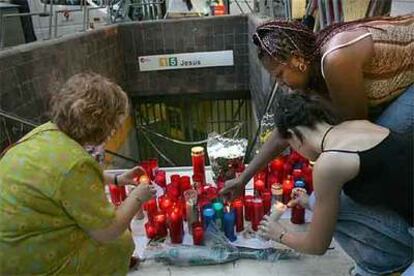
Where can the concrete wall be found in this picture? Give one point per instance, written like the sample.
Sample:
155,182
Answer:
29,74
181,36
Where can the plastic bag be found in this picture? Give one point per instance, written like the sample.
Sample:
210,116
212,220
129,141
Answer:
226,156
267,126
217,250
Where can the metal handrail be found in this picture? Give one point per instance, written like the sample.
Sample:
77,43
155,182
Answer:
31,124
3,25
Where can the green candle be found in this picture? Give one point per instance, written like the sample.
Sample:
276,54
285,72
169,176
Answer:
218,209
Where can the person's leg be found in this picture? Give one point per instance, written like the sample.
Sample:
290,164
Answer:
399,115
377,239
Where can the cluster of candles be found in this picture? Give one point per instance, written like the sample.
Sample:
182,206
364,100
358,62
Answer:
198,204
281,176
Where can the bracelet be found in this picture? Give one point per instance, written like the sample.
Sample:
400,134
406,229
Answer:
282,235
116,179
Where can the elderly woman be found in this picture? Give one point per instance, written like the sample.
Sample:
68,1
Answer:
55,216
372,165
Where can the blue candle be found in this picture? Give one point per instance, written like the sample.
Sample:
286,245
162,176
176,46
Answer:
208,216
229,221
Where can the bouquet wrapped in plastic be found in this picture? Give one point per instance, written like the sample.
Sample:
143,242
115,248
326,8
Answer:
226,156
217,250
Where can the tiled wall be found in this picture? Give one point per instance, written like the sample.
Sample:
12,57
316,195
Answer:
182,36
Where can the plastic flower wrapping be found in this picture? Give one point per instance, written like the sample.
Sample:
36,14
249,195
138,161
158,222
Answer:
217,250
226,156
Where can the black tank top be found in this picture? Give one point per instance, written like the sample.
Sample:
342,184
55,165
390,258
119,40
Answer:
385,175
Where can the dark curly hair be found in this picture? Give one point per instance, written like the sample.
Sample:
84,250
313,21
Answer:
299,108
283,39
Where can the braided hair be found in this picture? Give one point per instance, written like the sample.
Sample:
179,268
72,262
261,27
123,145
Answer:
301,109
282,39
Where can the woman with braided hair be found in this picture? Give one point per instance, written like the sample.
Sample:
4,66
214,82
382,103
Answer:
371,165
365,68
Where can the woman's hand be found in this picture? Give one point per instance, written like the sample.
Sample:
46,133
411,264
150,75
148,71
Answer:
233,188
130,177
300,197
271,230
144,192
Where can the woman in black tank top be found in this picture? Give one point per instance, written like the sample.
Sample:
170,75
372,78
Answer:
363,186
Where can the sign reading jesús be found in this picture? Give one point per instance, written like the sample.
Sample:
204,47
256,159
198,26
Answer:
186,60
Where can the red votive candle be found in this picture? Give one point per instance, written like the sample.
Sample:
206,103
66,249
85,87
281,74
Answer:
151,207
248,207
175,179
115,194
122,192
176,226
150,230
211,193
287,190
276,165
259,187
198,161
198,233
153,165
173,191
287,169
297,174
160,179
165,203
238,208
185,183
257,213
160,222
147,167
267,201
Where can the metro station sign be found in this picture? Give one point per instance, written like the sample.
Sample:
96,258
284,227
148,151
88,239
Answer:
186,60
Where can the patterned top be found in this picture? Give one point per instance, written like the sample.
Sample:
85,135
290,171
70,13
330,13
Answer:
391,70
51,193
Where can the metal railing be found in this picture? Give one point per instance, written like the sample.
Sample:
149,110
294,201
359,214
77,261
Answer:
26,123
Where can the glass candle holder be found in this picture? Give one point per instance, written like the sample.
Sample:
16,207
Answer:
198,233
185,183
259,187
229,222
267,201
175,179
208,217
238,209
153,166
258,213
287,190
198,161
198,183
151,208
176,226
150,230
190,197
218,211
165,203
160,179
160,222
248,207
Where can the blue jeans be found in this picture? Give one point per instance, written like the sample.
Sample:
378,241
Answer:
377,239
399,115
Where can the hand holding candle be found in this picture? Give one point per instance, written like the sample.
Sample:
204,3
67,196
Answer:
277,211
